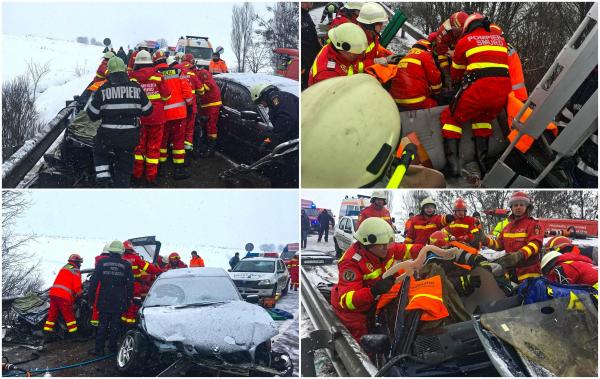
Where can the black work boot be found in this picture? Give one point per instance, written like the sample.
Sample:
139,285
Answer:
481,150
181,172
78,337
210,148
452,157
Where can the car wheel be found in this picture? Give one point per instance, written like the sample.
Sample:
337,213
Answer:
132,353
274,291
286,289
338,251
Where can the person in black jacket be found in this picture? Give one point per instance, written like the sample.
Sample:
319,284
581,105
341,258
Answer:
324,220
119,103
122,54
234,260
115,294
310,43
304,228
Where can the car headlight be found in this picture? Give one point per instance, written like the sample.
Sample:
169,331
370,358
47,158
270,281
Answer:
265,283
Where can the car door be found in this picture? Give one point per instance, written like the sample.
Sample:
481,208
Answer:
282,274
346,233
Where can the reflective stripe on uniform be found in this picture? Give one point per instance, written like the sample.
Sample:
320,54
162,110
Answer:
517,86
370,47
481,125
152,160
211,104
138,157
458,66
121,106
526,276
155,78
174,105
411,60
428,226
437,86
411,101
480,65
64,288
373,275
515,235
480,49
93,109
465,226
452,128
155,96
147,106
114,126
587,169
346,301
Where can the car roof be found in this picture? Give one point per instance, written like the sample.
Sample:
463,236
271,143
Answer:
194,271
248,79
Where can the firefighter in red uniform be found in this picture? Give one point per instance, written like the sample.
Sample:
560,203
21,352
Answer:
371,18
408,223
521,239
449,32
376,209
442,61
187,70
360,271
210,105
294,267
515,68
175,262
343,56
63,294
481,61
138,266
142,46
102,70
348,13
463,228
565,245
426,223
147,152
175,114
417,78
569,268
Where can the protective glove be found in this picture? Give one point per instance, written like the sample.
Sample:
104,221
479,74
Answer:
450,218
383,286
484,263
393,59
381,61
510,260
467,284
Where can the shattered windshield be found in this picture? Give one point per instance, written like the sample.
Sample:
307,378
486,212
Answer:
255,266
191,290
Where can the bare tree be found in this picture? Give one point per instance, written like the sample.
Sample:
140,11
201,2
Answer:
162,43
267,247
36,72
19,274
281,29
258,57
242,21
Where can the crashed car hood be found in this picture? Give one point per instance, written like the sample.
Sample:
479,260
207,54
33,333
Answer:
225,328
251,275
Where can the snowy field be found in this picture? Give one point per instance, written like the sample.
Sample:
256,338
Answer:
71,65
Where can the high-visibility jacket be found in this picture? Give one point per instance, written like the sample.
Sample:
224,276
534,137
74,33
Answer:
101,71
178,264
351,297
422,227
374,48
181,92
463,229
500,227
339,20
212,94
67,284
478,50
329,63
131,61
407,225
157,91
218,67
139,265
373,211
524,234
417,78
515,70
513,107
197,262
196,84
447,36
573,268
294,267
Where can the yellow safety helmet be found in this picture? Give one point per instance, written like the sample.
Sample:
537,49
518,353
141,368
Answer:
374,231
348,37
372,13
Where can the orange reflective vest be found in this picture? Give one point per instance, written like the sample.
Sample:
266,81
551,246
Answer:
197,262
513,107
67,284
218,67
515,70
425,295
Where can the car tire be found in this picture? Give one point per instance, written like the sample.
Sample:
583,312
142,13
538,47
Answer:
286,289
132,352
274,293
338,251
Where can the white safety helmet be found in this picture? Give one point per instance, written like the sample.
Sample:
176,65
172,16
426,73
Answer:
142,44
170,59
372,13
374,231
143,57
179,56
350,131
427,201
354,5
348,37
548,257
378,194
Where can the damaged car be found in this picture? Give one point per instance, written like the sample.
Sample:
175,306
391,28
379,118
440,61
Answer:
196,318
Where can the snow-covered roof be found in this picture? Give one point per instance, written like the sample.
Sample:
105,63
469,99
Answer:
194,271
248,79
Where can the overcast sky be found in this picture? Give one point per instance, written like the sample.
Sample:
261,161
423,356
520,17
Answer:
125,23
227,218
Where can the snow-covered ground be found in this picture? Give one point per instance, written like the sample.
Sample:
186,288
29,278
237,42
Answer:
249,79
71,66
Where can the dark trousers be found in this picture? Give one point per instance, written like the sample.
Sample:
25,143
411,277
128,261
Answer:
121,143
110,325
321,230
304,238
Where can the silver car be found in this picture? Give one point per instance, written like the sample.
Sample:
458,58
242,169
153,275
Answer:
343,236
262,276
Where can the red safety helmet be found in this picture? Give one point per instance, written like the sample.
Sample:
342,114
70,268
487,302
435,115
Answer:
496,29
469,20
174,256
75,258
556,243
460,205
519,196
158,55
424,43
128,246
439,239
188,58
459,19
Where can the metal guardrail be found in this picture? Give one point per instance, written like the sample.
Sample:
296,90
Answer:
24,159
347,356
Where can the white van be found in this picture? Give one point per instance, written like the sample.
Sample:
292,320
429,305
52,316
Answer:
199,47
